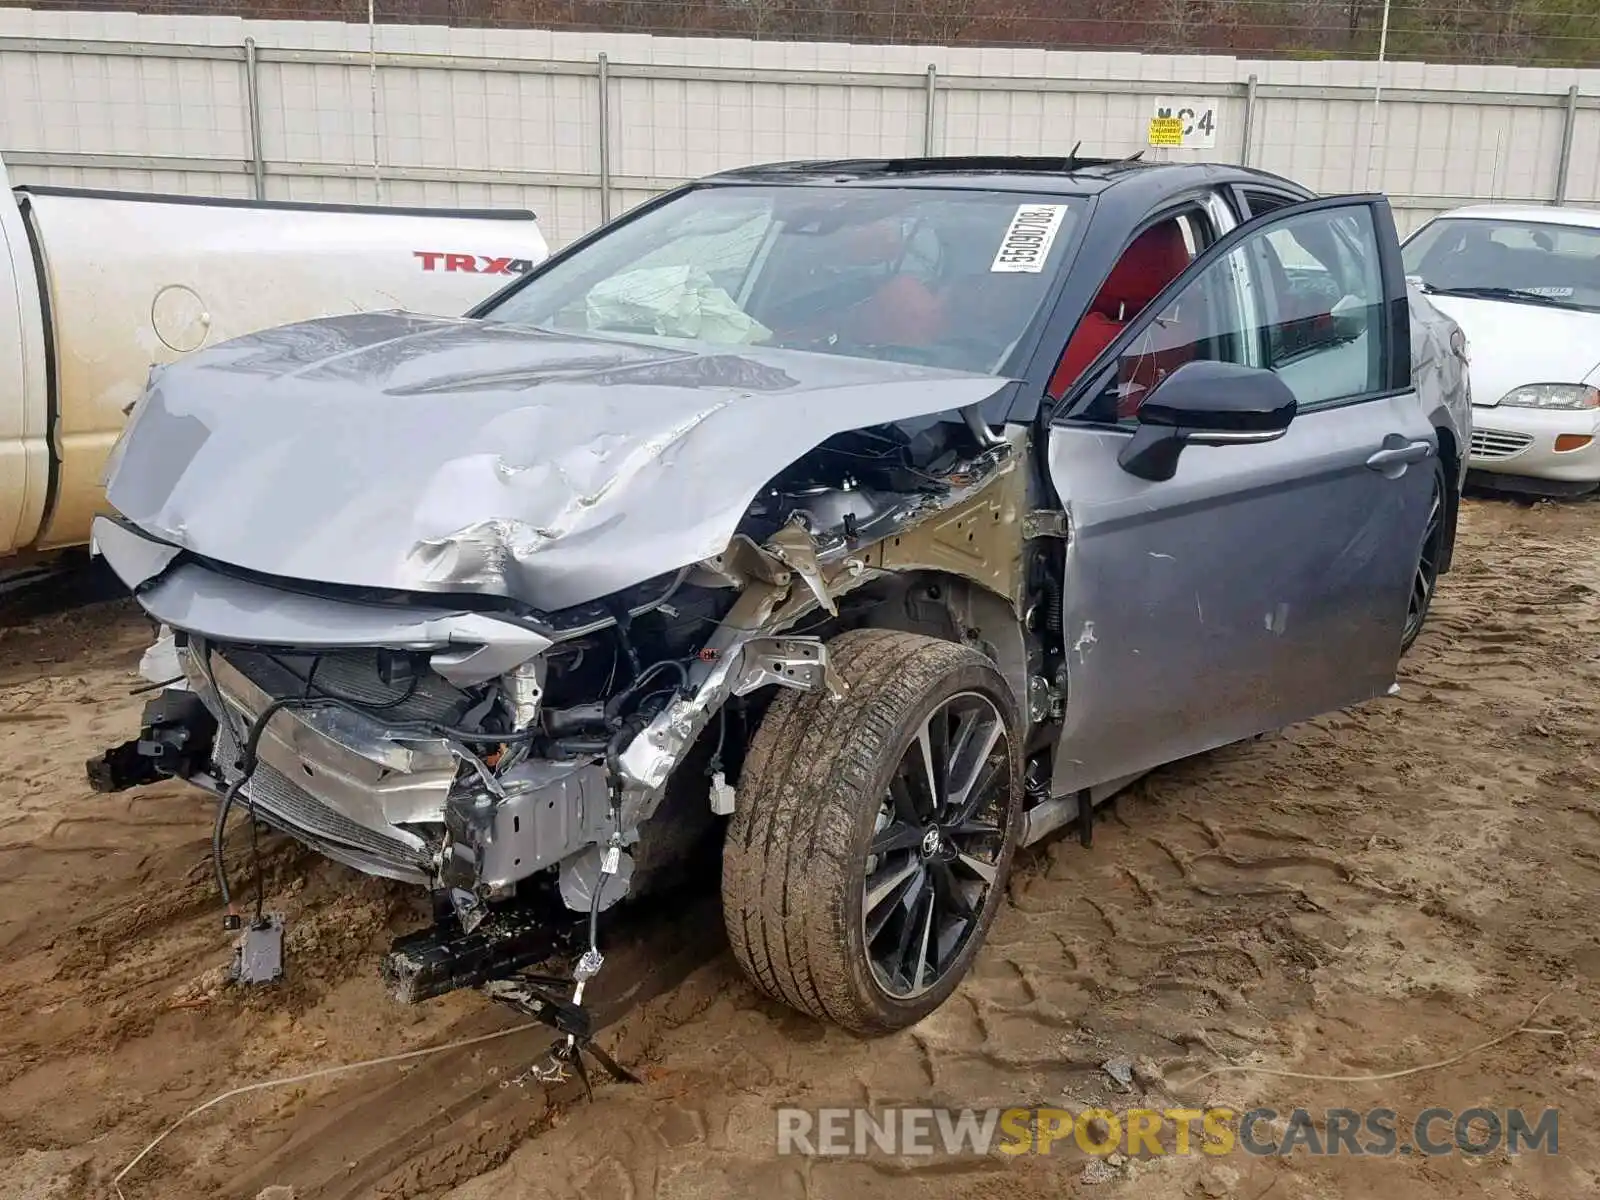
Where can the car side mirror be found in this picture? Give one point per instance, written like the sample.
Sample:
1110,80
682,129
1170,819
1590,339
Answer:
1206,403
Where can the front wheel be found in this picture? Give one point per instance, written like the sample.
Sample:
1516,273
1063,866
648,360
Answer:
874,833
1426,578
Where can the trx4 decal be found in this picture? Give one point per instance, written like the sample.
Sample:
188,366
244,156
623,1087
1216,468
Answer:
472,264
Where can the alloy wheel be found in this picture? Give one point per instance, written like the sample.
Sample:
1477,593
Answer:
936,845
1427,573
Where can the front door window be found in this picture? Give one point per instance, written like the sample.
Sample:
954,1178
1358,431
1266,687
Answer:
1302,298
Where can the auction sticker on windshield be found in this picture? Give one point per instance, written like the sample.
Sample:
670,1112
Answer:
1029,237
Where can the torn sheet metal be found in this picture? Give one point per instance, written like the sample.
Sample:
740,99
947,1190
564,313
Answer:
793,547
472,647
651,757
792,575
726,663
390,451
975,532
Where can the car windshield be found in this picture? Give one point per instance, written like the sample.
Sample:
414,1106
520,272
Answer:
1503,259
944,278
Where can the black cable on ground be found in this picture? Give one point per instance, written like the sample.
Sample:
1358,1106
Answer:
246,765
231,919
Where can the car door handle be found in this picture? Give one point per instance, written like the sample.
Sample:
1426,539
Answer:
1392,456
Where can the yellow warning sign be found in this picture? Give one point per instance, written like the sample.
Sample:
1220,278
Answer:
1166,131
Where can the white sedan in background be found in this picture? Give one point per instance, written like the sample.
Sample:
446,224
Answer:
1523,282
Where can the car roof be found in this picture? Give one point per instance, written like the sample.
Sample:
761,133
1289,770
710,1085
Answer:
1067,176
1542,214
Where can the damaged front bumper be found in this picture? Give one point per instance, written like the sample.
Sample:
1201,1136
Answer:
357,725
387,802
367,784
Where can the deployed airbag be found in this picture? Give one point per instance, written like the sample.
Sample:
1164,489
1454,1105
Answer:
677,302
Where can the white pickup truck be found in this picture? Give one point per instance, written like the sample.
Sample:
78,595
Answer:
96,287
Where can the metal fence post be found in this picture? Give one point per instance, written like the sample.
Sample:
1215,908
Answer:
604,79
252,91
930,101
1249,120
1564,167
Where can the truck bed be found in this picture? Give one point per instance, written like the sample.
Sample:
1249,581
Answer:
129,280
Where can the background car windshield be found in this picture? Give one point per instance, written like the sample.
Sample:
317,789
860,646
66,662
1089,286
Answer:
941,278
1555,264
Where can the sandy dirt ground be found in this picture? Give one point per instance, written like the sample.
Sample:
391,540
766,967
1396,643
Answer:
1366,893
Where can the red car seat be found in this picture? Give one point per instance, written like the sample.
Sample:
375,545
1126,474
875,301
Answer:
904,311
1155,258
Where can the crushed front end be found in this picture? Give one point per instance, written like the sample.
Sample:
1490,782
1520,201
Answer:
429,610
489,761
528,769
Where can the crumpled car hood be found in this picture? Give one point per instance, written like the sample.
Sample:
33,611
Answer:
450,455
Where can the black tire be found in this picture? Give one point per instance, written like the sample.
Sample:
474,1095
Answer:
814,799
1430,556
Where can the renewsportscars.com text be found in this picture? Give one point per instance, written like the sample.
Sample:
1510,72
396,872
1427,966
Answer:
1140,1132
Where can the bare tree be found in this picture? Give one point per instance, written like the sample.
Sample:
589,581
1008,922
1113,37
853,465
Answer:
762,18
947,20
659,15
1175,24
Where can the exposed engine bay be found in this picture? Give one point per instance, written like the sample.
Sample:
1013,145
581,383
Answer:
586,772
